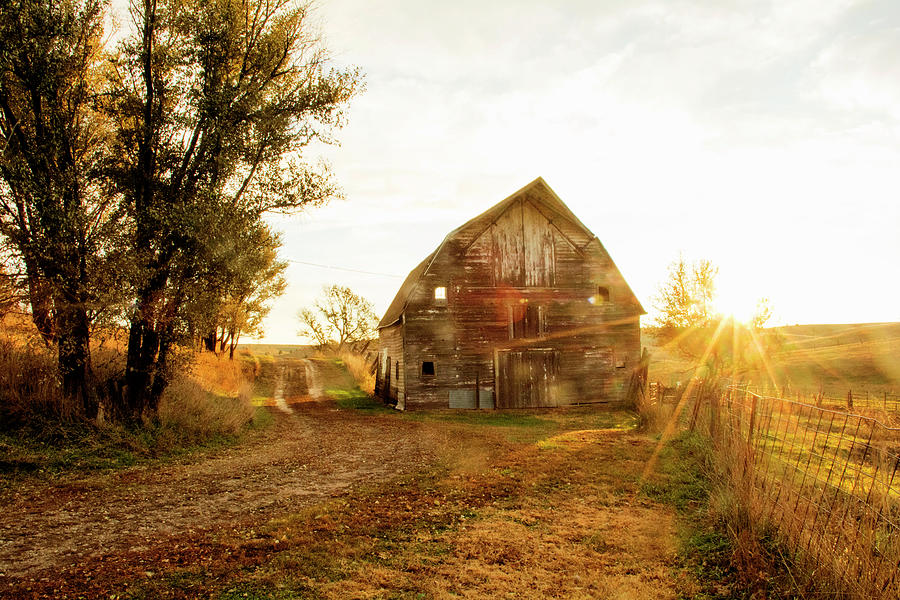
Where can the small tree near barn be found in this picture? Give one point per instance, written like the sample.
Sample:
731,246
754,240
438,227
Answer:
338,317
685,299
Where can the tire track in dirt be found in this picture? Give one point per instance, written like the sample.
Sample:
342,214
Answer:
312,452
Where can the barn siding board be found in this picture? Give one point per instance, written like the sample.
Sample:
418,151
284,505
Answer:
527,251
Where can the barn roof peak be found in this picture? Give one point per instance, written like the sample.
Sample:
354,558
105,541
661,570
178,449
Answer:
536,191
541,191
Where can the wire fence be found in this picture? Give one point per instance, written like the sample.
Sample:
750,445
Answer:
825,480
864,400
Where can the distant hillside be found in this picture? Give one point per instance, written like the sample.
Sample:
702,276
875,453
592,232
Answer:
863,355
859,356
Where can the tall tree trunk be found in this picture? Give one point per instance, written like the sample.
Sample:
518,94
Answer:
73,347
150,343
40,297
209,341
143,349
235,336
143,345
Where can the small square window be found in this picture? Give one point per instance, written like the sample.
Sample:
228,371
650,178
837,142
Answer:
602,295
428,368
440,293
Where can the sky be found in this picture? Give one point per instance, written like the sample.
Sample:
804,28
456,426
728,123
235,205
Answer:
763,136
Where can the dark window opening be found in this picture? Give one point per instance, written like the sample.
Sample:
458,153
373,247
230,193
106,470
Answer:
428,368
602,295
526,321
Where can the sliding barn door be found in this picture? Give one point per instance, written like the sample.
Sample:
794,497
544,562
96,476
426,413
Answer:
527,378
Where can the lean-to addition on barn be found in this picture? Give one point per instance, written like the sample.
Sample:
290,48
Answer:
520,307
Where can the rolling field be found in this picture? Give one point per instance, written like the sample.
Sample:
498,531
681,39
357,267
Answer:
831,359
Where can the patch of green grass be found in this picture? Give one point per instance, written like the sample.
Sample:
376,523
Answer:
684,481
262,418
262,591
356,399
684,469
487,419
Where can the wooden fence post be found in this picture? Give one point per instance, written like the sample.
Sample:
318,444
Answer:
752,420
850,399
698,399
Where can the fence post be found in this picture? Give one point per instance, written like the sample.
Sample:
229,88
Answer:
850,399
752,420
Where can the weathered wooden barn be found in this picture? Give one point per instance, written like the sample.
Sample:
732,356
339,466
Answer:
519,307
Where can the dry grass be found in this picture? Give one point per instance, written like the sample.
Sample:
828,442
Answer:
493,519
193,410
29,387
221,376
211,396
361,370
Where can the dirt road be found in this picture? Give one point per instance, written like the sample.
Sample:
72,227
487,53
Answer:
342,503
306,456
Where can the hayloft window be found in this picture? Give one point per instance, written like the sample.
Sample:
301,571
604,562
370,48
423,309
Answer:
428,368
602,295
440,293
526,321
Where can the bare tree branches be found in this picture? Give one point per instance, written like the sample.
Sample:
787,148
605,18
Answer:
338,317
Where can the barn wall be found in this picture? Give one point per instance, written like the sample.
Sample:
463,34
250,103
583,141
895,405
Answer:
521,258
390,346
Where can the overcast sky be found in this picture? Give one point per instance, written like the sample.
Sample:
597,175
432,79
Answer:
760,135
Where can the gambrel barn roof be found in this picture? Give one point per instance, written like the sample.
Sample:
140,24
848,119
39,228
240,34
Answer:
539,195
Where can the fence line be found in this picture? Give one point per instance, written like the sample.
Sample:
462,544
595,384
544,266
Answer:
865,400
825,480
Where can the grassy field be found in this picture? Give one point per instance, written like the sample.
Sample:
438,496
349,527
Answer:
833,359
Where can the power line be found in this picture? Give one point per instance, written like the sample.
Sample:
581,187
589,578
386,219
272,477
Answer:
334,268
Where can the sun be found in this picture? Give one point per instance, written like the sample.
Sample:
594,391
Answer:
740,307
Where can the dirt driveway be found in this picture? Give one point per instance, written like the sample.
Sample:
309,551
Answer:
312,451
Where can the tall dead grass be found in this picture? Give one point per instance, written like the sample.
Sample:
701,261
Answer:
360,367
210,397
29,385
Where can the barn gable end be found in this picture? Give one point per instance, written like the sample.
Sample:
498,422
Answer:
520,306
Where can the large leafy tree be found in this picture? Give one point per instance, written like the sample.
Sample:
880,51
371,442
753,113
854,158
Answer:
55,213
214,102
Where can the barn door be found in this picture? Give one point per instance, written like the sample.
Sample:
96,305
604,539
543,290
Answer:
527,378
